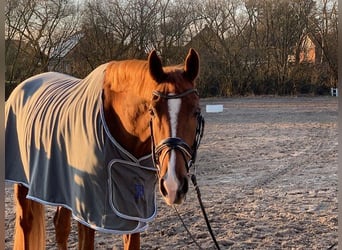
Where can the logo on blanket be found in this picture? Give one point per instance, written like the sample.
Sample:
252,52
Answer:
139,191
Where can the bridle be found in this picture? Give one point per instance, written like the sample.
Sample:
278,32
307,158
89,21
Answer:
176,143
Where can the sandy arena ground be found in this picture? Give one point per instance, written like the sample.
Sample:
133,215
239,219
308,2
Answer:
267,170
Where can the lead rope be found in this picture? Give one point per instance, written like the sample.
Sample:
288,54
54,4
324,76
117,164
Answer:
199,135
194,181
186,228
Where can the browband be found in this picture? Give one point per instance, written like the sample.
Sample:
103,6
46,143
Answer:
174,96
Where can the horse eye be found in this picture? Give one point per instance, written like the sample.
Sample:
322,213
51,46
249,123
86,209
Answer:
151,112
155,98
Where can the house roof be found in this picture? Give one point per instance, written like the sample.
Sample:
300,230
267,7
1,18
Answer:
63,48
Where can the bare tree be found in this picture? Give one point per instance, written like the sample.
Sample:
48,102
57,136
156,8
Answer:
244,44
107,32
119,29
37,28
323,27
227,22
282,26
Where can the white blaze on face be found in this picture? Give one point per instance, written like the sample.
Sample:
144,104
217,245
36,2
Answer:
171,182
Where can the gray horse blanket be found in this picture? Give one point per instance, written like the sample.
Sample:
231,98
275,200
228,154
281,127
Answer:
58,145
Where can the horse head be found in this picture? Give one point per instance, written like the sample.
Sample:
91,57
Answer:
176,123
146,103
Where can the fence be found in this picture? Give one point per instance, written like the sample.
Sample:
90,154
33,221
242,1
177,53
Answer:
334,91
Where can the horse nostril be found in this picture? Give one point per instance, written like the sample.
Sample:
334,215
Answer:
184,188
162,187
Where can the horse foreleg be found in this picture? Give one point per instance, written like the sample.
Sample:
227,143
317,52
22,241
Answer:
131,241
29,223
85,237
62,222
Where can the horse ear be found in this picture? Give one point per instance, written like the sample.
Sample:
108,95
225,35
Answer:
156,67
191,65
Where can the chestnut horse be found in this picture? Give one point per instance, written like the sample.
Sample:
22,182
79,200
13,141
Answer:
151,112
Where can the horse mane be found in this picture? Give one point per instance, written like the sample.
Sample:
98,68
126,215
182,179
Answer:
119,76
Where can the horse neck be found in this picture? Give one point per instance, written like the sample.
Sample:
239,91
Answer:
127,116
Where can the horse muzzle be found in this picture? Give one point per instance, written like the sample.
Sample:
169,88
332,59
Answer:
173,190
173,184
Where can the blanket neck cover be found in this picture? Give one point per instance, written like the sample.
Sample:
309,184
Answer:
58,146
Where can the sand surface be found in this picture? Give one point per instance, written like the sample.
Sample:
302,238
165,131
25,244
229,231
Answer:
267,171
